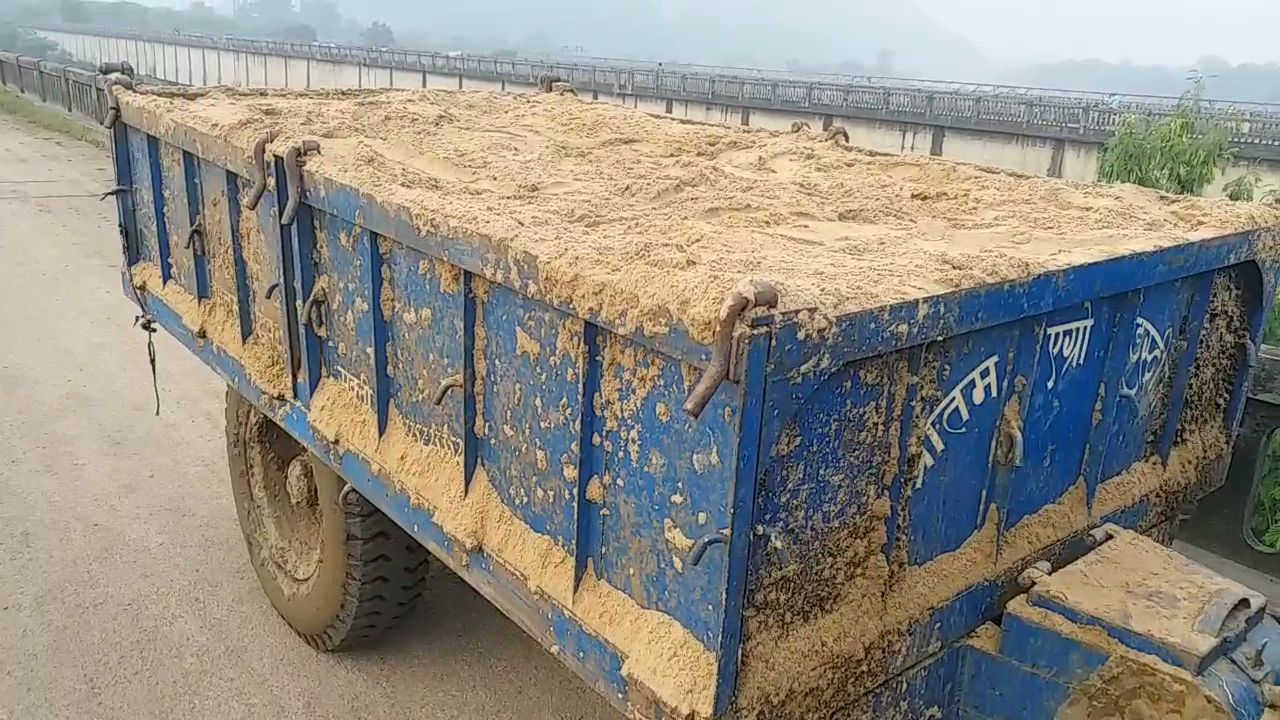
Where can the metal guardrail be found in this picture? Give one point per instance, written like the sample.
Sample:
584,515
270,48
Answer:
1010,110
73,89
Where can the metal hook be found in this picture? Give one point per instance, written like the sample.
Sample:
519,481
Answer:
748,295
719,537
113,103
195,237
451,382
311,315
260,166
293,176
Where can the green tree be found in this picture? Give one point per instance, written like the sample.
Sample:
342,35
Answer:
1243,188
1179,153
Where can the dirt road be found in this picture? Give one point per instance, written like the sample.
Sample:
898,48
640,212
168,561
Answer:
124,588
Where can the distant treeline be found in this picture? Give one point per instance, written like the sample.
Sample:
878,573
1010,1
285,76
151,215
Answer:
1246,82
276,19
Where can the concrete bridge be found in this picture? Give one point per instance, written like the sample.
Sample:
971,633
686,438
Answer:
1042,132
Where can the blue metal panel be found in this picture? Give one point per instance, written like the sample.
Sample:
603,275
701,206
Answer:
1258,294
297,260
1200,289
273,287
240,269
199,259
1141,364
170,185
591,459
158,207
142,195
996,689
744,505
1060,379
1046,651
221,266
965,383
928,690
899,448
947,624
531,360
668,479
423,315
341,256
829,467
122,164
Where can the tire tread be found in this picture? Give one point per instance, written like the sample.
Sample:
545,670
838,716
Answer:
386,575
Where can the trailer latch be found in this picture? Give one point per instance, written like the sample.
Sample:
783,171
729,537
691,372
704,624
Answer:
195,237
719,537
746,296
312,316
260,167
294,158
113,104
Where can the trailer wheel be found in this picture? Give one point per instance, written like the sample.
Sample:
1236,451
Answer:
337,570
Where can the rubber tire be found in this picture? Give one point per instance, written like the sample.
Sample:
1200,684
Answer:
370,573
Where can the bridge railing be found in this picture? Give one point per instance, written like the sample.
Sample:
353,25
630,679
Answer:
70,88
1056,116
1009,109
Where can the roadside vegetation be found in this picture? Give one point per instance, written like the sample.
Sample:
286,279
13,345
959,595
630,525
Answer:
49,118
1180,153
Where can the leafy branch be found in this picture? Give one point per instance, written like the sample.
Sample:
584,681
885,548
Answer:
1180,153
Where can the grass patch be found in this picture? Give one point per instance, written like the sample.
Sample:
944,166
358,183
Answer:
49,118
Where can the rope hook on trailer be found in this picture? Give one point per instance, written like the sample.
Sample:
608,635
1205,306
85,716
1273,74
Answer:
260,167
147,322
748,295
195,237
148,325
294,158
115,191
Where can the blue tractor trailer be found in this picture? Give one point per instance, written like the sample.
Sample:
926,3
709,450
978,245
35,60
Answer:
735,423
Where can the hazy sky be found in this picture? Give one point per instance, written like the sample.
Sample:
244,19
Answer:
1142,31
1174,32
